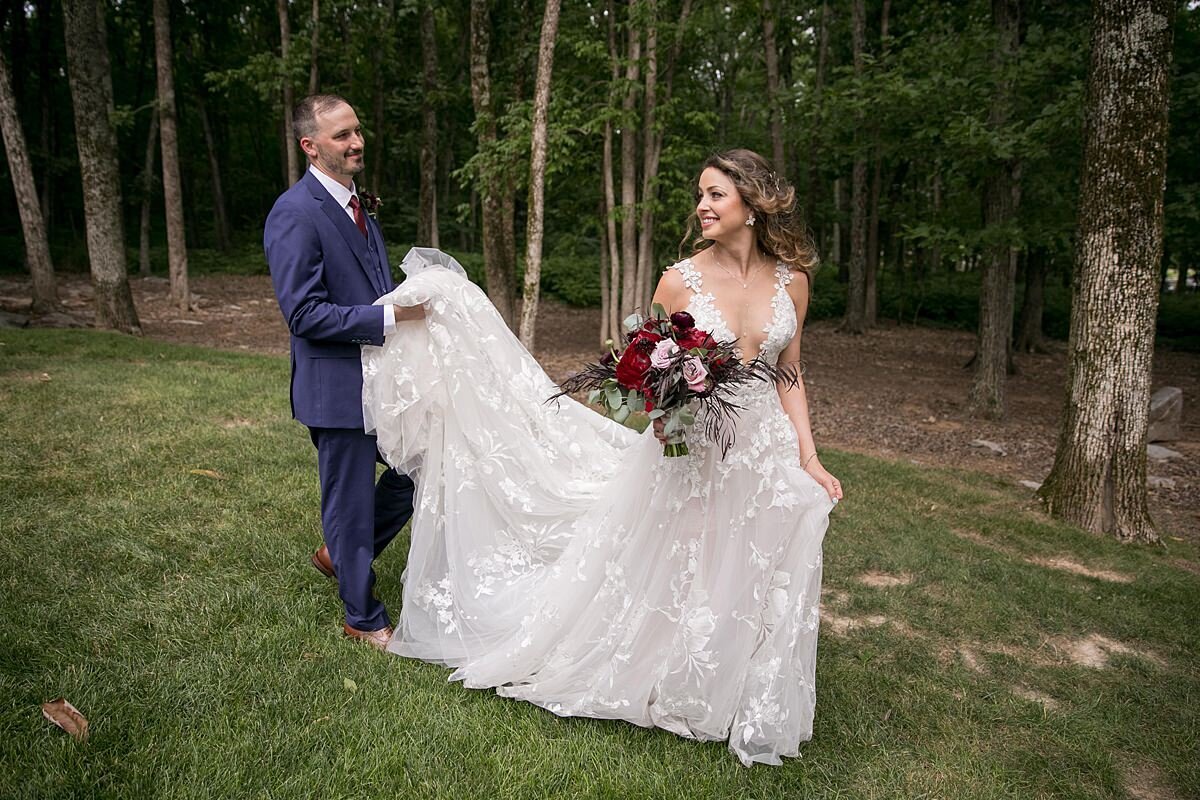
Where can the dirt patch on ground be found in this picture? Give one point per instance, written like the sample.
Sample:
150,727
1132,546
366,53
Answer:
896,392
1147,782
1067,565
1034,696
1094,650
883,580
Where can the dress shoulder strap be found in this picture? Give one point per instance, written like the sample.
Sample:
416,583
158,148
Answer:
783,274
689,273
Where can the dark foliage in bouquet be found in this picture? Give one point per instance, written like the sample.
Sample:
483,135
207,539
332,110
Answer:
671,369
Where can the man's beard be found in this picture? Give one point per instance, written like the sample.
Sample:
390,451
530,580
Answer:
341,165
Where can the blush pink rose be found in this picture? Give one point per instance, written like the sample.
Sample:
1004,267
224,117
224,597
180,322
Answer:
694,373
661,357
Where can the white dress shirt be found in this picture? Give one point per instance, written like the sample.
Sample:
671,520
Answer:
341,196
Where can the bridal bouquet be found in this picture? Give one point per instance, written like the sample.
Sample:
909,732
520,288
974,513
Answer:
673,371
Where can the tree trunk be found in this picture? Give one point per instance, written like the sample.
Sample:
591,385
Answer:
47,79
629,287
814,144
1001,195
537,175
1181,281
610,199
169,140
147,186
778,162
314,75
496,264
1029,337
91,94
645,256
33,226
289,96
835,246
854,320
606,330
427,230
220,216
1099,476
655,144
871,290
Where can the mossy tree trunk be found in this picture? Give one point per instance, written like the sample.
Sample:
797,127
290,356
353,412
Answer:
1098,480
91,95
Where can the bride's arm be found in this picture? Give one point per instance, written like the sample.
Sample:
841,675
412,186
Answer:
794,399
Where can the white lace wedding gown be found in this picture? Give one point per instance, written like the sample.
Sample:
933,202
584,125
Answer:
562,559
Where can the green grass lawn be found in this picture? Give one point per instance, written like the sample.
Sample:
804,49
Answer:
178,612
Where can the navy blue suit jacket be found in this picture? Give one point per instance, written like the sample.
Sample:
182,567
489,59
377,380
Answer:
326,277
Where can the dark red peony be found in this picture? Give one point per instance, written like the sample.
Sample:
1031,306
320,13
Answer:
683,320
633,367
694,337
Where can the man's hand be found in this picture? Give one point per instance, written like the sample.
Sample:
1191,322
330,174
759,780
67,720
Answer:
409,313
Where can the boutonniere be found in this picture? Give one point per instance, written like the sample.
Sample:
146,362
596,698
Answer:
370,203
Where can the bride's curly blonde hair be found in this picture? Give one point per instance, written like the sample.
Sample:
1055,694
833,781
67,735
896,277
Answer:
779,229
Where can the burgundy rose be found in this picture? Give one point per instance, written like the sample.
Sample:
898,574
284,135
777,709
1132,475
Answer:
607,359
683,320
632,369
694,337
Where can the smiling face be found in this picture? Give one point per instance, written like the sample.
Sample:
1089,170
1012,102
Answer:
337,147
719,207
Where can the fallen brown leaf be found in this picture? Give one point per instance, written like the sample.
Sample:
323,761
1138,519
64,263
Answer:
208,473
67,717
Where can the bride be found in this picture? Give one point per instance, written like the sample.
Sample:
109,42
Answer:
561,559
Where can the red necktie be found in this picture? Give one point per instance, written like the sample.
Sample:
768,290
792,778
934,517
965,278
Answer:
360,219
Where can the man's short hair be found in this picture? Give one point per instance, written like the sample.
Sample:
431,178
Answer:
304,115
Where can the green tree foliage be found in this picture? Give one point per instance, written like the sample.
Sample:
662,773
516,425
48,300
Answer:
925,91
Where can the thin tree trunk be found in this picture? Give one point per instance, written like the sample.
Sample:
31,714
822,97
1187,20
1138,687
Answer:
871,291
1029,337
91,93
314,75
814,146
610,201
1181,282
537,175
776,111
854,320
645,256
48,83
650,167
289,96
147,186
605,266
496,264
1001,197
220,216
1098,480
169,141
427,198
629,286
33,226
935,252
835,247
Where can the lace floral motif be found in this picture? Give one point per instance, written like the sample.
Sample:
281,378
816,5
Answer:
561,559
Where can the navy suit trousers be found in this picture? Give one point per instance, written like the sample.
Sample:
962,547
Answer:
358,522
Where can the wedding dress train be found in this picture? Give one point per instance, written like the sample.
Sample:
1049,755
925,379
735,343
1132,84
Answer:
561,559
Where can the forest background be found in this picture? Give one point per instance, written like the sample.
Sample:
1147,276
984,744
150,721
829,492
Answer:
777,77
939,152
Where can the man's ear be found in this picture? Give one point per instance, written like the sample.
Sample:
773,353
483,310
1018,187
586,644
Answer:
306,144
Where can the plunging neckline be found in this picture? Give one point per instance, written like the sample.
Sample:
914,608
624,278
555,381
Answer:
694,280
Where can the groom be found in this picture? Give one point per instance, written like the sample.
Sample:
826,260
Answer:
328,266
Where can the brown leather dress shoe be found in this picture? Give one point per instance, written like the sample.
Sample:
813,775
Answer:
377,639
323,563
